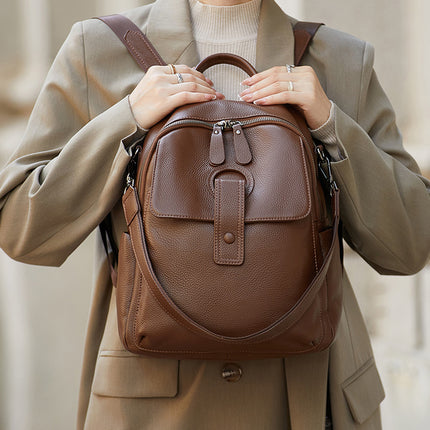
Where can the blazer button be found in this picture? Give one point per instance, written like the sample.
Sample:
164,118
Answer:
231,372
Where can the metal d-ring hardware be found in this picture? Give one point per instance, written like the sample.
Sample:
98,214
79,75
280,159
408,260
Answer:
328,176
132,168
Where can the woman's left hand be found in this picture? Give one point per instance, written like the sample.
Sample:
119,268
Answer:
272,87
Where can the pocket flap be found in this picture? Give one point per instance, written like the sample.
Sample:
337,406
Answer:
121,374
277,186
364,392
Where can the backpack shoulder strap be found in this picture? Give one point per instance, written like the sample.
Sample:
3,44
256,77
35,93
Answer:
304,32
145,55
139,46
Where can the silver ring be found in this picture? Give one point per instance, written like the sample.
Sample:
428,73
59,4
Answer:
290,68
180,78
290,86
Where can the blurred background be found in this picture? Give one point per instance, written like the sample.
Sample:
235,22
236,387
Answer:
43,311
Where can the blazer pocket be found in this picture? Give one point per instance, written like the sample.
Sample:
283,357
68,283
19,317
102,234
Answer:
122,374
364,391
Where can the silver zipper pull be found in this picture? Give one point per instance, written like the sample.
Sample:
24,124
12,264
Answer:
241,146
216,150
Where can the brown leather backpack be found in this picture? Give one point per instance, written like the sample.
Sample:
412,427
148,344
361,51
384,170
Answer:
232,250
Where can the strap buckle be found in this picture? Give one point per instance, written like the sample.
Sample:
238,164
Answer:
324,161
132,168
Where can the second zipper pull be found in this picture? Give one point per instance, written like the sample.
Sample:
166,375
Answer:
241,145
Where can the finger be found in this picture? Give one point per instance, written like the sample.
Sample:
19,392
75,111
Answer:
271,84
259,85
285,97
193,87
272,79
303,76
302,69
275,88
184,97
158,70
273,71
188,77
280,73
182,68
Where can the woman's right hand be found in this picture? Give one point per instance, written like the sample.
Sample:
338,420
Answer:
159,93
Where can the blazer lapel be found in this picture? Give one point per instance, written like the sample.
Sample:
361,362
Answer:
275,40
170,30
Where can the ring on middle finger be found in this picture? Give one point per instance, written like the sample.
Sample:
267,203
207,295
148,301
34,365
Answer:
290,86
180,78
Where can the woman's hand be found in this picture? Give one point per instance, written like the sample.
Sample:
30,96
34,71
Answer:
159,93
272,87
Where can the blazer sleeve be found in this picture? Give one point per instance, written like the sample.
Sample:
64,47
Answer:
67,173
385,202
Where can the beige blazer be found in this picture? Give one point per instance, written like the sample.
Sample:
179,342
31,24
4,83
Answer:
67,174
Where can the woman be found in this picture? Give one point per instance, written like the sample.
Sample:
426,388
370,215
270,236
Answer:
68,174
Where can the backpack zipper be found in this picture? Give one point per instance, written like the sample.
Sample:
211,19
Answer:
242,149
228,124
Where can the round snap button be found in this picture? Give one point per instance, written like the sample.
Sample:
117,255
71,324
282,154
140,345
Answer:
229,238
231,372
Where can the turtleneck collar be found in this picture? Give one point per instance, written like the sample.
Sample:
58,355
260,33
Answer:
224,23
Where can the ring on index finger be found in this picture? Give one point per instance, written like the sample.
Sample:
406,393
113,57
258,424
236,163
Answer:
290,67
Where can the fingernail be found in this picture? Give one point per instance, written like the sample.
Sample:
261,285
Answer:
240,98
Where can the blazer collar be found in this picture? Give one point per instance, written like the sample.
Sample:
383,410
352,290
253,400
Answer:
170,30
